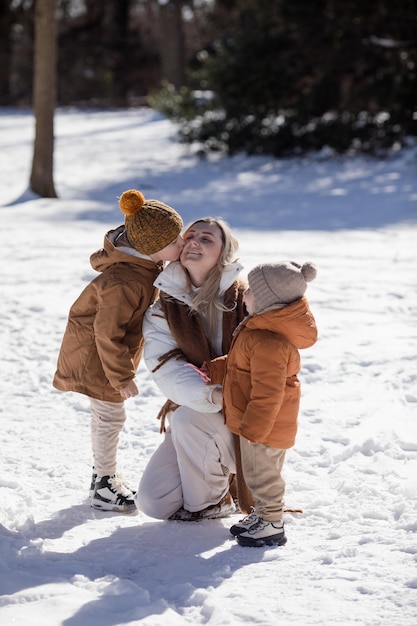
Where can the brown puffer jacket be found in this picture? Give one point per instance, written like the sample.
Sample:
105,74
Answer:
261,391
103,343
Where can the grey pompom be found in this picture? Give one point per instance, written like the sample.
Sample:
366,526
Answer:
309,271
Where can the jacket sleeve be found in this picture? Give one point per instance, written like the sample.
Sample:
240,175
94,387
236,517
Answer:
118,308
177,382
268,376
216,369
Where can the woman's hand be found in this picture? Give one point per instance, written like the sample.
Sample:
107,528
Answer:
201,371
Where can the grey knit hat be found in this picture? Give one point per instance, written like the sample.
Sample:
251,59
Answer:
275,285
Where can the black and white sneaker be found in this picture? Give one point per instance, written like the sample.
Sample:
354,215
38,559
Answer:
244,524
120,478
263,533
110,494
92,484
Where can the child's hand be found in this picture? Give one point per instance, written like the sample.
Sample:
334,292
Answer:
201,371
129,391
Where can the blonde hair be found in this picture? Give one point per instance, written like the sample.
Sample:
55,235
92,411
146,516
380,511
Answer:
208,300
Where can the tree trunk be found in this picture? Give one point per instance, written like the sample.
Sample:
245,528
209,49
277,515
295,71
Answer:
41,178
118,40
5,52
172,42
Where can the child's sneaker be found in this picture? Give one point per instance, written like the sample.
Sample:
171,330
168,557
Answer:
92,484
263,533
110,494
244,524
119,477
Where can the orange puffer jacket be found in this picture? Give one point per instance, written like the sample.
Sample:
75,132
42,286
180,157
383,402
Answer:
261,391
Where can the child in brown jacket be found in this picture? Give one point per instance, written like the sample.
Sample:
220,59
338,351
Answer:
103,342
261,391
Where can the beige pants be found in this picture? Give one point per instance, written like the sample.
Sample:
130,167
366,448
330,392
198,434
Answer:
107,422
262,467
187,469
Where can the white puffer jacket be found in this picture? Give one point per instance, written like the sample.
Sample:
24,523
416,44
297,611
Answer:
176,381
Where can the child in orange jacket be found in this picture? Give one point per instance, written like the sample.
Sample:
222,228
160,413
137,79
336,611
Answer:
261,392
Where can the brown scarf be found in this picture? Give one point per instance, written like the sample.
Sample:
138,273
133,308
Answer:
188,331
187,327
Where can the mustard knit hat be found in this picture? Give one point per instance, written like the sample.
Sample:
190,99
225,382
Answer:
279,284
151,225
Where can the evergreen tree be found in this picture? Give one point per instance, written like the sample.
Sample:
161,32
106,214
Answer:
290,76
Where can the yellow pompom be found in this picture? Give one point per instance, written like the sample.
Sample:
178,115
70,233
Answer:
131,201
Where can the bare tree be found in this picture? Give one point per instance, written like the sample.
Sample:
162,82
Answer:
172,42
118,41
44,90
5,51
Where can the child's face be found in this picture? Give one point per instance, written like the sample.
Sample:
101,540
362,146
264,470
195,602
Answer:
248,300
171,252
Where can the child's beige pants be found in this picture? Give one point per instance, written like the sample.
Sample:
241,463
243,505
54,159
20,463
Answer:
107,422
262,467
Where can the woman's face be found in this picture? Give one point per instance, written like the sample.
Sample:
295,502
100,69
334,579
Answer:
202,248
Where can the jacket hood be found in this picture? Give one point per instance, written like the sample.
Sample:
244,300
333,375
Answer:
173,280
295,322
111,253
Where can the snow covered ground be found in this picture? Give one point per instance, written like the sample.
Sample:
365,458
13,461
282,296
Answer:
351,556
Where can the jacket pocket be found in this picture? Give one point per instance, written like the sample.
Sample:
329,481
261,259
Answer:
240,385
